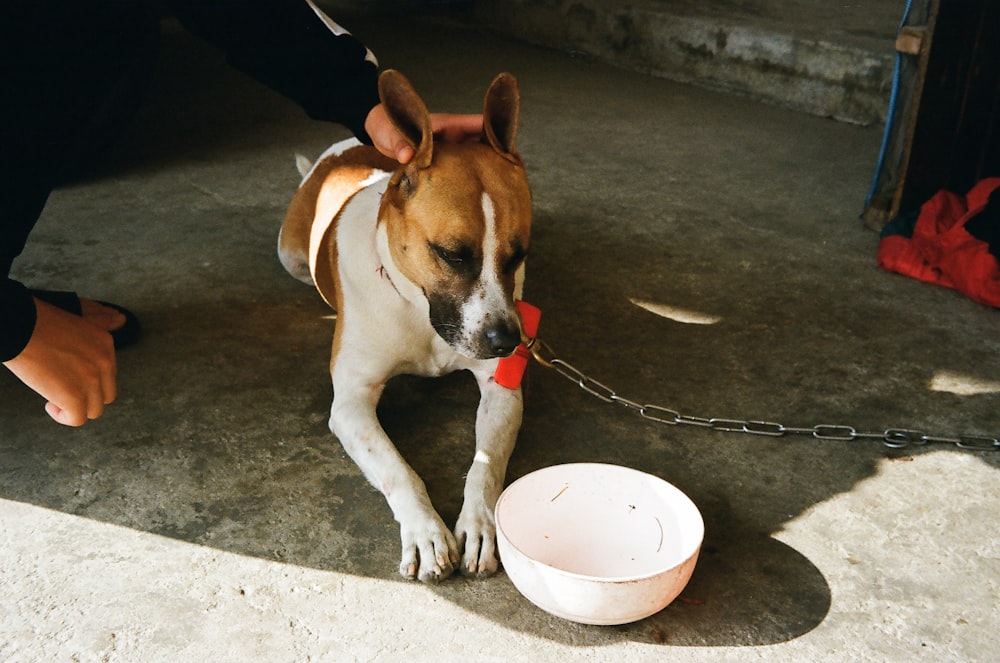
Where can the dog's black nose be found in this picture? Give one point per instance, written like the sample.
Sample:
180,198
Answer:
503,339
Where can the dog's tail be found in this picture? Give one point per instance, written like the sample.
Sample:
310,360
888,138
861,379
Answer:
303,164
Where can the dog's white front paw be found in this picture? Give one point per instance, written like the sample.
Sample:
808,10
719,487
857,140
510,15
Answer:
430,552
476,534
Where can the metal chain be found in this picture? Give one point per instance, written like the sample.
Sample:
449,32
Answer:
895,438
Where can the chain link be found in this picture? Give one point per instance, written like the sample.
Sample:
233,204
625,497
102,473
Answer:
895,438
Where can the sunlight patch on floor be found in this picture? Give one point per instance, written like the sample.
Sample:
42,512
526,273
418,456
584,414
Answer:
962,385
676,314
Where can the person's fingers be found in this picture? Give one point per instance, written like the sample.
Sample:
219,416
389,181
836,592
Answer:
95,404
386,138
74,417
104,382
57,413
105,317
71,363
404,153
457,128
109,381
76,410
450,127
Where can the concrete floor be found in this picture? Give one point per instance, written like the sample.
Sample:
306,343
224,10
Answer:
210,515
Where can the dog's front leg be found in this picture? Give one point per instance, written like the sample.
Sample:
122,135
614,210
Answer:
497,422
430,552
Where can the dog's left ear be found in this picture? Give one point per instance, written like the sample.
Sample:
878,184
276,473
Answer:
500,112
408,113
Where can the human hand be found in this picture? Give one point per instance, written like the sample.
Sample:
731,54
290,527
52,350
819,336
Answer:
450,127
70,361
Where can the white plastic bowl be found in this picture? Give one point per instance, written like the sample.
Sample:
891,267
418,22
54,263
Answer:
597,544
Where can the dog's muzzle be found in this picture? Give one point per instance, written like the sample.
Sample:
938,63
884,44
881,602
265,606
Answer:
502,339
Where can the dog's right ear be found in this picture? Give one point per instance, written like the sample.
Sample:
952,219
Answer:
501,108
408,113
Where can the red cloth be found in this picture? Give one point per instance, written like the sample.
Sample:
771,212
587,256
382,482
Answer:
941,249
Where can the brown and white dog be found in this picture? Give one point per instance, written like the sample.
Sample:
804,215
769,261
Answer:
423,264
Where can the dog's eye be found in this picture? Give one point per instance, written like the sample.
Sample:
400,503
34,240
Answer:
515,260
454,258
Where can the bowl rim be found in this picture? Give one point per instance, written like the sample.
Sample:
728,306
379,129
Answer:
592,578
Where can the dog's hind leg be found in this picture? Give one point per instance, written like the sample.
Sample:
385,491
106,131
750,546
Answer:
295,262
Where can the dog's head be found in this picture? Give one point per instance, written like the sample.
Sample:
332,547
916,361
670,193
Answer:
458,219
